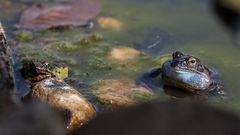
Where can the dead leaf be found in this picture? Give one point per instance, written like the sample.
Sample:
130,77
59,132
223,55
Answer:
70,13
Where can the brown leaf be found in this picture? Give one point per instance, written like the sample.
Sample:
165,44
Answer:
70,13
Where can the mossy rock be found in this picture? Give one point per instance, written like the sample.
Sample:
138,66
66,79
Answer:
117,93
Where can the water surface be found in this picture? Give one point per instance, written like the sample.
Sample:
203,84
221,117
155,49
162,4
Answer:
185,25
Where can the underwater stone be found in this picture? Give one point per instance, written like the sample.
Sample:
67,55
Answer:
123,54
116,93
110,23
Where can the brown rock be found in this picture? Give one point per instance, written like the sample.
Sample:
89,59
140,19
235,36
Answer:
115,93
110,23
63,97
123,54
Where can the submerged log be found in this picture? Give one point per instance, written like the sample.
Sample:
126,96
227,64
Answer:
6,72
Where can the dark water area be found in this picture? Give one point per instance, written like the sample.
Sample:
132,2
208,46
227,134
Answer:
156,28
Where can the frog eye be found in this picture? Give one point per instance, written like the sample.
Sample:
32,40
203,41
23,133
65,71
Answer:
46,64
192,61
177,54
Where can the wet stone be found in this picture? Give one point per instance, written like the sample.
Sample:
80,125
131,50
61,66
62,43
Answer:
123,54
60,95
116,93
110,23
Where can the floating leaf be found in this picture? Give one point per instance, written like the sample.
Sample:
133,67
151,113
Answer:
163,59
60,73
68,13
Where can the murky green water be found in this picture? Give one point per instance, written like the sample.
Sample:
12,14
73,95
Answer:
185,25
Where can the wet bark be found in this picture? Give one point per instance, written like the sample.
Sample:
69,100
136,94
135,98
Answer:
6,72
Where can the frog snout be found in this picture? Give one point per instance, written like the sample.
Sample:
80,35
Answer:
173,64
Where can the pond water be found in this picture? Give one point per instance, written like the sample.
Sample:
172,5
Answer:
154,27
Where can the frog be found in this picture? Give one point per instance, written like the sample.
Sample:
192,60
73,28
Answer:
44,87
35,71
185,72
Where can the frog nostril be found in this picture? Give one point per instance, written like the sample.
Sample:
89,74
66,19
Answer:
200,68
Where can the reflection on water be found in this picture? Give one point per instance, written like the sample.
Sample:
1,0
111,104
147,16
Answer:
155,27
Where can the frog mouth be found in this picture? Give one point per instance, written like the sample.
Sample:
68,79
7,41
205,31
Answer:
186,70
191,75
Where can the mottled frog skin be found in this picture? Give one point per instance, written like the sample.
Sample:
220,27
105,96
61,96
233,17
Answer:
34,71
185,72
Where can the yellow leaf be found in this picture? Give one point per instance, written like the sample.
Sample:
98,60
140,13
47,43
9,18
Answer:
163,59
60,73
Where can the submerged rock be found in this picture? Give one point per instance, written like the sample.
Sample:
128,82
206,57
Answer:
123,54
110,23
116,93
68,13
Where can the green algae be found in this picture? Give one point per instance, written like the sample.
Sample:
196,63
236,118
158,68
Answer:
95,38
98,63
141,97
66,46
132,65
24,36
39,54
43,54
86,41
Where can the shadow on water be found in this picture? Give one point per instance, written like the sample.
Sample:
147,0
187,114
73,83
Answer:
229,14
